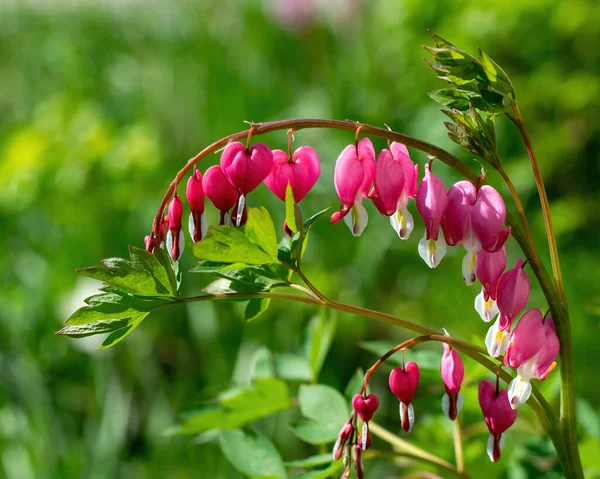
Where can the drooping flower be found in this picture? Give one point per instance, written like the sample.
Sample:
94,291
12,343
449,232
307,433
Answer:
513,294
490,267
453,373
475,219
365,407
388,183
218,189
402,221
354,172
498,415
245,168
358,462
403,383
195,197
532,349
301,171
432,201
175,241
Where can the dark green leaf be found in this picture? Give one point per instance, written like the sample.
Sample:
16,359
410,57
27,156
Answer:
355,384
256,307
252,454
320,332
261,231
228,286
225,244
309,222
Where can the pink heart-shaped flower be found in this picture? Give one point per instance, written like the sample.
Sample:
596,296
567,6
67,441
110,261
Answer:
403,382
246,169
301,172
365,407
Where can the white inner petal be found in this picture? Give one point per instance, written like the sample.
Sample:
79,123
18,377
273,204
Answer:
496,340
402,221
446,404
357,218
364,435
432,251
411,414
486,309
191,226
227,219
203,225
519,391
240,210
169,243
469,268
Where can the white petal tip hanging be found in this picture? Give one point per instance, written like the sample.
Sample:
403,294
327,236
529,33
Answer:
447,405
496,340
191,226
407,416
469,268
432,251
519,391
403,223
486,309
240,210
357,219
227,219
494,447
203,225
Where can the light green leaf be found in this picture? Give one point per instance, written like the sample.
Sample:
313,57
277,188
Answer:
312,461
252,454
320,333
309,222
256,307
238,408
323,404
226,244
322,473
261,231
355,384
292,367
317,433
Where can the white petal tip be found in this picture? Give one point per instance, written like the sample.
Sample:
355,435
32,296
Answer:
432,251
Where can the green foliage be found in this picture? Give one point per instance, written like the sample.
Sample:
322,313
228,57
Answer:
252,454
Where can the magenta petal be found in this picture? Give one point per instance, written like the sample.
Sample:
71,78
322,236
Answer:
490,267
307,169
410,170
218,189
389,182
526,339
403,382
366,155
175,213
489,213
195,193
432,201
498,414
452,369
456,222
513,291
549,352
246,170
348,176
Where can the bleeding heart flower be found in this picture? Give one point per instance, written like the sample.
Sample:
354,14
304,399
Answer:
245,169
365,407
354,172
532,349
498,415
432,201
489,213
175,241
195,197
389,183
490,267
496,339
453,373
513,294
218,189
343,438
403,383
402,221
301,171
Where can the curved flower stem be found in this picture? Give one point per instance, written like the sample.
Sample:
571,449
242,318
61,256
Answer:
563,442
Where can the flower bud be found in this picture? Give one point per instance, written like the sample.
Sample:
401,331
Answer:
403,383
432,201
498,415
513,294
354,172
453,373
218,189
175,242
342,440
301,172
358,462
195,197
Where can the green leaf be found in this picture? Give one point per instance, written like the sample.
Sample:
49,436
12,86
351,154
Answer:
317,433
322,473
323,404
454,98
312,461
229,286
143,274
260,230
252,454
293,215
355,384
99,327
309,222
120,334
320,333
238,408
225,244
292,367
256,307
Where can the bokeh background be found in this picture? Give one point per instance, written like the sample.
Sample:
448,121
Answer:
101,102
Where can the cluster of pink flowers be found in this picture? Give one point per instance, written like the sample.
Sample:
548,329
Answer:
468,215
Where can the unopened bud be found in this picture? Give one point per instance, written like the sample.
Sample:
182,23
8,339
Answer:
342,440
358,461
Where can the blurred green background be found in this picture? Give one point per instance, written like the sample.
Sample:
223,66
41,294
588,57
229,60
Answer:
102,102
